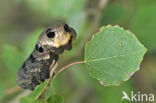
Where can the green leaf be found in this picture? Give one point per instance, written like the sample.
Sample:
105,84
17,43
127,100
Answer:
48,93
55,99
30,100
33,97
38,90
113,55
12,57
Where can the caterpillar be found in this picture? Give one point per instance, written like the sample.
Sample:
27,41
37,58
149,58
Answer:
51,42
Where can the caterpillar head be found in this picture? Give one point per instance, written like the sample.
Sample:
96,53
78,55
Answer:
57,38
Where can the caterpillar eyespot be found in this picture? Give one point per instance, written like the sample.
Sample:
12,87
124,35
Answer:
40,49
51,42
50,33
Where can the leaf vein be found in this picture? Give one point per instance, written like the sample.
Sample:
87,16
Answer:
113,57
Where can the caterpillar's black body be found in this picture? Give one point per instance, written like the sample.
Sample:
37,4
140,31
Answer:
52,42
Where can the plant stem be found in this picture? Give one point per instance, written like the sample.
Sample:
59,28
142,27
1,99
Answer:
62,69
65,67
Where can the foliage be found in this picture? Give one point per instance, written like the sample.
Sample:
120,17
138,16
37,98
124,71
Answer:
38,90
113,55
55,99
33,97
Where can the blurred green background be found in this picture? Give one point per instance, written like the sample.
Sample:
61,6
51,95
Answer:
22,21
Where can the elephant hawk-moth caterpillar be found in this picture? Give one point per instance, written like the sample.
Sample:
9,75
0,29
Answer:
52,42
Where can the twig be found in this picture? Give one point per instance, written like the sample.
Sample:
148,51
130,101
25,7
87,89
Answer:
78,62
12,90
97,12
